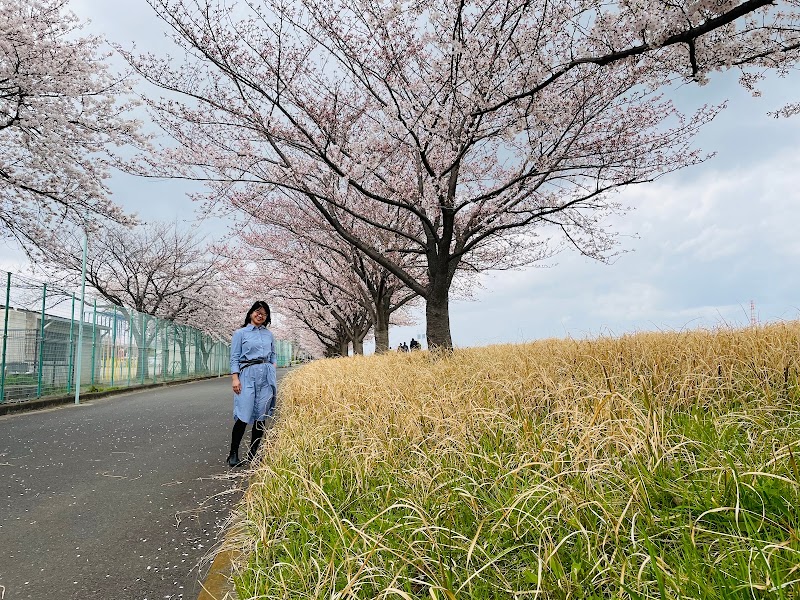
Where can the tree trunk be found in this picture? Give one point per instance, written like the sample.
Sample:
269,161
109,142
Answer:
437,316
382,315
142,370
165,357
344,346
182,347
199,367
358,346
441,268
205,352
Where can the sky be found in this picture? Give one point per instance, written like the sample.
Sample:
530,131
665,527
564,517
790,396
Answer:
698,248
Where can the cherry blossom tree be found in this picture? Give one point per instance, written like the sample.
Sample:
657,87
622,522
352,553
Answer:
317,288
499,130
60,116
153,269
303,243
292,328
306,307
328,332
334,296
218,315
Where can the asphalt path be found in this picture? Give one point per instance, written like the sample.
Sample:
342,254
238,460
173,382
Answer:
124,497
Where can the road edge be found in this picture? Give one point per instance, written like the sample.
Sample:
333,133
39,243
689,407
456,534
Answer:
217,584
8,408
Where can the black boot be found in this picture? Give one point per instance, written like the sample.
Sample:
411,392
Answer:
255,441
236,438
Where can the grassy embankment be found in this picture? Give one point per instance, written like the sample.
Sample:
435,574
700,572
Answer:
651,466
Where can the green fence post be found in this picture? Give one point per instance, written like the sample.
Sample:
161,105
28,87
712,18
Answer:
174,336
94,338
114,347
183,346
79,359
155,354
40,362
193,353
130,345
5,341
190,353
71,343
144,345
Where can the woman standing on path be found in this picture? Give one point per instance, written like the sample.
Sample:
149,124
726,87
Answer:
253,364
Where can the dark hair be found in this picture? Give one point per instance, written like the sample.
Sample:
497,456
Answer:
258,304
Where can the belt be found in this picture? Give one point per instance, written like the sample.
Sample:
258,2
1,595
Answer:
248,363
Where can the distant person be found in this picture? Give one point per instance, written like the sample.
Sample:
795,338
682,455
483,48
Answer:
415,345
403,347
254,381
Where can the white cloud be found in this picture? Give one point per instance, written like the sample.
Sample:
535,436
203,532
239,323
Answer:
631,300
713,242
694,264
12,259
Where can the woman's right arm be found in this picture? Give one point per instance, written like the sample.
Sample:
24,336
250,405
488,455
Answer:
236,353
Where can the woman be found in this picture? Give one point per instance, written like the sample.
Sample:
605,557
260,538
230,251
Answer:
253,363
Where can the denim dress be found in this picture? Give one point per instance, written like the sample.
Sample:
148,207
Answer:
256,401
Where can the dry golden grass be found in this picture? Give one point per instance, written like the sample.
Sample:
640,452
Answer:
606,395
542,454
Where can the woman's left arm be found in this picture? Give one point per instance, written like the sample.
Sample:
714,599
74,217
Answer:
273,357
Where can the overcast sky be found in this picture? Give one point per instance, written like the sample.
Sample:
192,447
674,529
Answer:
698,248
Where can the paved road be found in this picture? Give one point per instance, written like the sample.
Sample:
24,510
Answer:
120,498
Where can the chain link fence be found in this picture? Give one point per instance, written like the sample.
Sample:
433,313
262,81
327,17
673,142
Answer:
51,342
